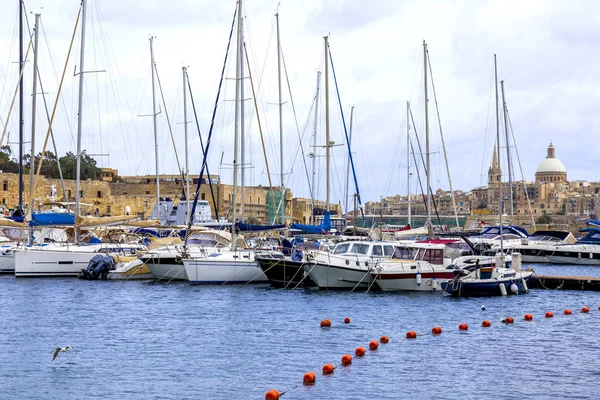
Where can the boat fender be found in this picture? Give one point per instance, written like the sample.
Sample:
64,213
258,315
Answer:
525,288
514,288
434,283
297,255
418,277
503,289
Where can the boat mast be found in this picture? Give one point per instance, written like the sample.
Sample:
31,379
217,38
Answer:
185,130
510,183
314,155
428,223
408,159
348,161
33,109
498,142
242,119
154,114
80,121
326,38
236,127
21,122
282,209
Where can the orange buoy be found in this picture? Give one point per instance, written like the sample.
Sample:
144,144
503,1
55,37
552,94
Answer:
549,314
486,323
309,378
436,330
373,345
509,320
360,351
272,395
411,335
463,327
328,369
326,323
346,320
346,359
585,310
528,317
384,339
568,312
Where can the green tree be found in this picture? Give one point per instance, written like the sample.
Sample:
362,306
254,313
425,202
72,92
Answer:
544,219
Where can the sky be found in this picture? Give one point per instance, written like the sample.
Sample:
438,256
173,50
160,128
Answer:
547,55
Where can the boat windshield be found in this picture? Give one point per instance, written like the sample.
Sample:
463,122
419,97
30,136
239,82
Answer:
360,248
404,253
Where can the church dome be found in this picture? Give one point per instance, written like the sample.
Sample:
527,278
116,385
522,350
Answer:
551,165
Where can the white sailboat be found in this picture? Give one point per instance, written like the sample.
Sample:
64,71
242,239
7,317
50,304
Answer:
230,266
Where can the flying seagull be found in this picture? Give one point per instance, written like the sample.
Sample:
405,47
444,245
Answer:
62,350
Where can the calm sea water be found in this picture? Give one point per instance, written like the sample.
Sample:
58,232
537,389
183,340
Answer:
137,340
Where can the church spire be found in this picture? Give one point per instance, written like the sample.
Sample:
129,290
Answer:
494,160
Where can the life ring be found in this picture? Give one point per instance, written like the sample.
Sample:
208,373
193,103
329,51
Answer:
297,255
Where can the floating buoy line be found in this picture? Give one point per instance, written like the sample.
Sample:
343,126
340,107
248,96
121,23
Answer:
310,377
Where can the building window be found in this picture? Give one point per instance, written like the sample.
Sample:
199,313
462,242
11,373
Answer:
203,195
3,201
69,193
124,193
5,186
81,193
108,209
147,192
99,194
258,201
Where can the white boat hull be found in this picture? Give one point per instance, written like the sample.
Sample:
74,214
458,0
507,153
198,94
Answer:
7,263
49,263
338,277
238,267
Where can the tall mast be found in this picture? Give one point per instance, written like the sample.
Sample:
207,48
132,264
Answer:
33,109
152,64
510,183
408,159
21,106
327,119
242,120
280,120
314,158
348,161
185,130
236,126
498,143
80,120
428,223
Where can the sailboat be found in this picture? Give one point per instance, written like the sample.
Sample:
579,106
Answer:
232,265
498,279
57,259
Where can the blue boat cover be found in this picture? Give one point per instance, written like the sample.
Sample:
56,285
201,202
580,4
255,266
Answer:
325,226
244,227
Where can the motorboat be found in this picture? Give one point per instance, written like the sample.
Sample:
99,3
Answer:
585,251
537,247
490,280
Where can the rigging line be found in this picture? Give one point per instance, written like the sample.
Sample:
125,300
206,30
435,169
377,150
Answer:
520,167
210,185
430,192
43,153
16,92
212,123
287,79
4,77
346,133
437,110
62,100
262,140
62,181
171,133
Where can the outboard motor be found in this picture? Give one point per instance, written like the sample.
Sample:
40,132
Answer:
98,268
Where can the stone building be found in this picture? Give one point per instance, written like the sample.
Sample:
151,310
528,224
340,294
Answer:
551,169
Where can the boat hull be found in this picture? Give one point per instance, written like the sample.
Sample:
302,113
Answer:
224,268
7,263
166,268
329,276
51,263
484,287
407,281
283,272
